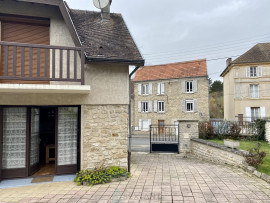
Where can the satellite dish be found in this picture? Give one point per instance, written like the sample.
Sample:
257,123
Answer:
101,4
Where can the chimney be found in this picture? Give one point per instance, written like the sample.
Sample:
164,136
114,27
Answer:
104,6
228,62
105,12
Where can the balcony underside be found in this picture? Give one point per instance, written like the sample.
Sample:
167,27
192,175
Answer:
44,89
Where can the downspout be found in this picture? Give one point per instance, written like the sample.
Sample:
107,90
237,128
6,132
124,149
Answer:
129,114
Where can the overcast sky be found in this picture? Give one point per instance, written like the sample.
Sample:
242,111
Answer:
168,31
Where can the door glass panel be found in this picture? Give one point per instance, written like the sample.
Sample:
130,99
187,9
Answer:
67,135
14,138
34,153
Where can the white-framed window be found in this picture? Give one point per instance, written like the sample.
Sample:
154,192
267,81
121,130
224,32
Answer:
161,88
144,124
145,107
254,91
255,113
161,106
189,105
189,86
254,71
145,89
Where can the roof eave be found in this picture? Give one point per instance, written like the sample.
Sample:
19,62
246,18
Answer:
107,60
200,76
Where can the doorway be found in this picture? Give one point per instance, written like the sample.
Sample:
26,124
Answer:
38,141
46,141
161,127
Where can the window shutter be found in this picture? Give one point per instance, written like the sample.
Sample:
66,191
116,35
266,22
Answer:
150,106
140,124
150,88
164,107
139,106
248,72
155,106
259,71
184,105
263,112
139,89
183,86
195,105
136,128
195,86
162,88
158,88
248,113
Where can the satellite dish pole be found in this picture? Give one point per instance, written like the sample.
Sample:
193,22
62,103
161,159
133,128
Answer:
104,6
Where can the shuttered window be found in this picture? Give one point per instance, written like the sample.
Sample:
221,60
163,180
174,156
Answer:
254,91
161,106
25,33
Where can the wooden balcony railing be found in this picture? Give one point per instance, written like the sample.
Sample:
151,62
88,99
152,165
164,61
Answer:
41,63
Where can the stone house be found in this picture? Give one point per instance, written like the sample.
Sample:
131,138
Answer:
247,85
165,94
64,88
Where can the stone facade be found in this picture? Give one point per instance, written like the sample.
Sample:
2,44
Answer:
104,135
217,153
173,97
267,131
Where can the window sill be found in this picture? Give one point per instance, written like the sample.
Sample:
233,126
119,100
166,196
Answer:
161,112
160,94
189,92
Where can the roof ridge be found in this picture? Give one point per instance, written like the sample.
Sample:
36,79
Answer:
183,62
72,9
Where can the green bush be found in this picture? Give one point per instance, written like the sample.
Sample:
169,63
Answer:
206,130
255,156
260,125
100,175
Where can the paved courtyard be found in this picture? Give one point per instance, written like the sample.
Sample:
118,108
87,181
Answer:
156,178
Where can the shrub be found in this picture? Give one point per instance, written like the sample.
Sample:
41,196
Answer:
234,131
260,126
206,130
100,175
255,157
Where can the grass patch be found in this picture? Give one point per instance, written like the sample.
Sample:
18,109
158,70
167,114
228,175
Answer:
246,145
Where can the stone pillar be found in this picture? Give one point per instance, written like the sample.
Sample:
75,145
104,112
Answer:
188,129
267,131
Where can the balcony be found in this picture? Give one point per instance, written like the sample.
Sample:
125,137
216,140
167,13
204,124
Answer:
42,68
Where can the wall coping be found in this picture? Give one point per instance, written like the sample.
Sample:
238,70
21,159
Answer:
219,146
188,121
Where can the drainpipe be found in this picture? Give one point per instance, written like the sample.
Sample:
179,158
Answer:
129,114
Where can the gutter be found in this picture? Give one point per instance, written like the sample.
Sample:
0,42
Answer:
129,118
130,62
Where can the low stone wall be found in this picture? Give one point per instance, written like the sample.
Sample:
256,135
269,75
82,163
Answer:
217,153
267,131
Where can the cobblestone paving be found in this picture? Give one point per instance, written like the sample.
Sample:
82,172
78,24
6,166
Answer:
155,178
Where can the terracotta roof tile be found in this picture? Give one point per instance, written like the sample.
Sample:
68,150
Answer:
185,69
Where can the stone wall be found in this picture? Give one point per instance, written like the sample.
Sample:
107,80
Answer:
172,98
104,135
187,130
267,131
217,153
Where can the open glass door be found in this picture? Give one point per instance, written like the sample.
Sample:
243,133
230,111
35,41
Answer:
67,140
34,141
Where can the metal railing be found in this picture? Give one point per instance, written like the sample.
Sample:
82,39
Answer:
32,62
223,127
166,134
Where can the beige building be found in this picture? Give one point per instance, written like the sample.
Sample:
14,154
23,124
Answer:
247,85
64,88
165,94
